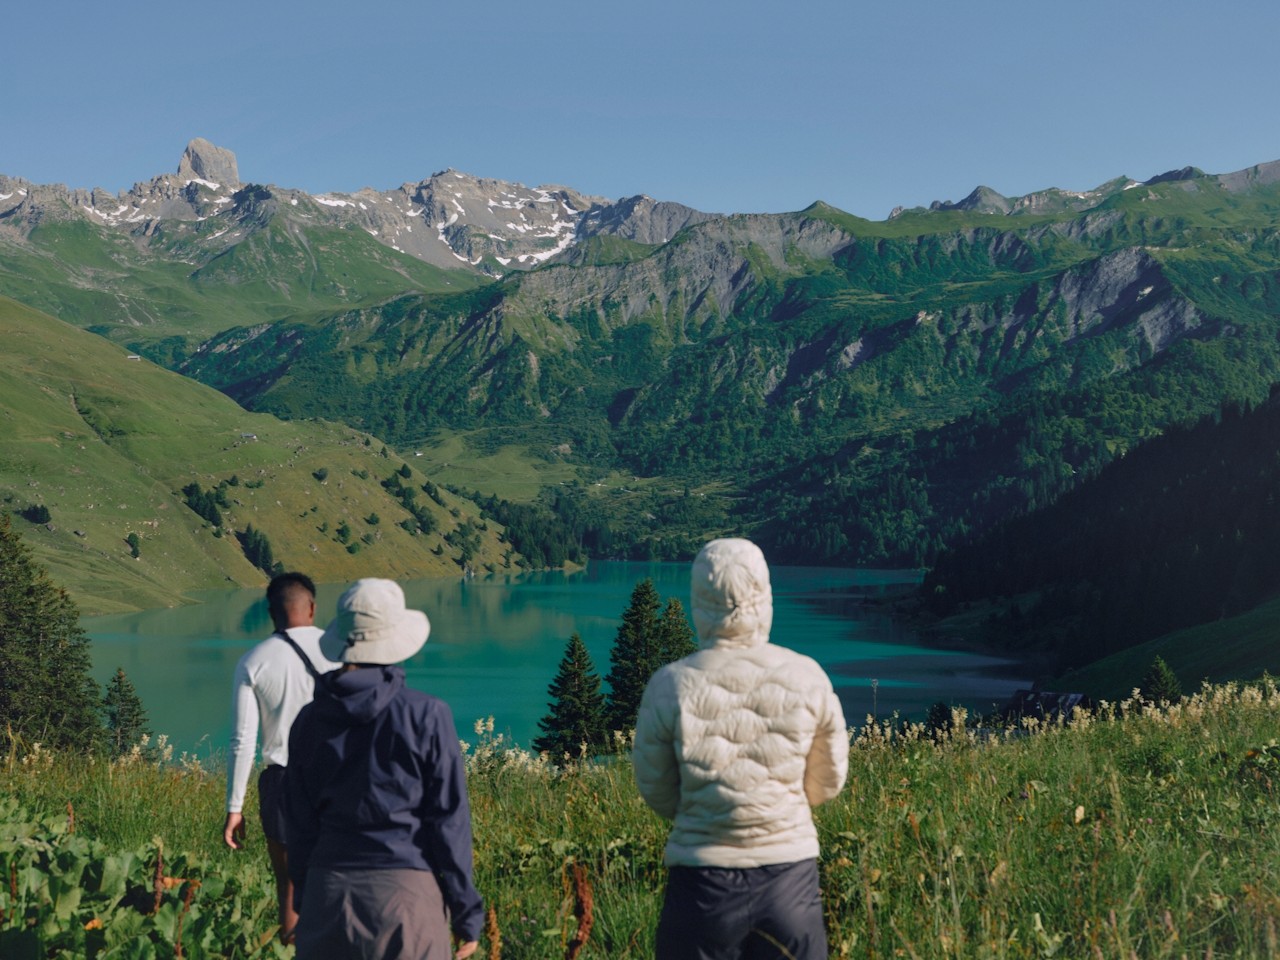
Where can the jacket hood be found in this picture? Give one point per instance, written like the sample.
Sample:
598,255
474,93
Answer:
357,696
732,599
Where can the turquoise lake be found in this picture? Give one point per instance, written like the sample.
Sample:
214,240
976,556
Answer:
496,643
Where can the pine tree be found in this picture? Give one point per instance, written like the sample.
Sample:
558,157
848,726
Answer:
46,692
634,657
577,706
675,636
123,714
1161,684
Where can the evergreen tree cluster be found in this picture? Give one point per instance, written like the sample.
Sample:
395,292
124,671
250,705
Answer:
465,538
535,531
205,503
36,513
424,521
47,695
257,550
580,715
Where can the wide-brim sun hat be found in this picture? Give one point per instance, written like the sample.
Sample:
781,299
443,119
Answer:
373,626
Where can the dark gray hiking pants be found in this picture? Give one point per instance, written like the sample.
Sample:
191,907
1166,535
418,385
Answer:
763,913
372,915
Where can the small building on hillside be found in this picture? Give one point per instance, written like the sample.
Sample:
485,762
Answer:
1047,705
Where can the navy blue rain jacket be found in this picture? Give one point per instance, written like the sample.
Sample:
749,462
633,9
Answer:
375,780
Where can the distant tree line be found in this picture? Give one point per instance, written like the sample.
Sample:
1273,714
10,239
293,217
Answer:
465,538
535,531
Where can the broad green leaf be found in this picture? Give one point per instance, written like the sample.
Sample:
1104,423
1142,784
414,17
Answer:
134,949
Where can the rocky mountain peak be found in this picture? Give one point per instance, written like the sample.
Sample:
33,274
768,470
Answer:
640,218
1172,176
203,160
981,200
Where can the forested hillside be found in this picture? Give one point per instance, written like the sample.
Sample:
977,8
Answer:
1183,530
867,392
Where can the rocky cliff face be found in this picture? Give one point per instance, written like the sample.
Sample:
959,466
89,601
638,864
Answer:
216,166
693,282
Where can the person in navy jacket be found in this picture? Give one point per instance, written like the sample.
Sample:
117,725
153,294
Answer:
379,822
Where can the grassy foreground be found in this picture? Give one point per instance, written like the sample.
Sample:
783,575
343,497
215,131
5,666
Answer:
1135,832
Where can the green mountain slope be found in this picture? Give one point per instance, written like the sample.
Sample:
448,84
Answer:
857,392
106,445
173,283
878,389
1242,646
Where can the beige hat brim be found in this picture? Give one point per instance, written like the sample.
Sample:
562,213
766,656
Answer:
386,644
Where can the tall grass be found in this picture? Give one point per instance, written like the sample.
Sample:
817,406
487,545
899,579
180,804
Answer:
1135,831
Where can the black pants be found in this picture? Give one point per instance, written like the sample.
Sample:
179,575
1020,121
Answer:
762,913
271,802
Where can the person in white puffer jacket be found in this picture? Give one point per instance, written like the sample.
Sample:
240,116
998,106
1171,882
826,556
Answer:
735,743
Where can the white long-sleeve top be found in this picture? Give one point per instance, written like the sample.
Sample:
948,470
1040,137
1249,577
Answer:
271,685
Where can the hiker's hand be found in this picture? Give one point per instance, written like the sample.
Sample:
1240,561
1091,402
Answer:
233,831
466,949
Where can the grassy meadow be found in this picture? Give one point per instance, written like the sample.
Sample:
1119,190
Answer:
1137,831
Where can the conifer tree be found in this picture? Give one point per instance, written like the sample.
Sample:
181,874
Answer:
1161,684
634,657
675,636
123,714
577,706
46,692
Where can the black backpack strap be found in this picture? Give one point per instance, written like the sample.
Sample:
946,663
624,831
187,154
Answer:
306,661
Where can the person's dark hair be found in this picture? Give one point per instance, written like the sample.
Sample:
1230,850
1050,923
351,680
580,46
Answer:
283,589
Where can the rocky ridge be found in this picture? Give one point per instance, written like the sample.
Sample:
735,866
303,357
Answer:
452,220
1054,200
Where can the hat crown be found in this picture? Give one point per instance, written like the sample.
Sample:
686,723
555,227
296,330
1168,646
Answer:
373,625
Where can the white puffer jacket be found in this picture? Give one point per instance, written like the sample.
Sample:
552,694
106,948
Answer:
735,742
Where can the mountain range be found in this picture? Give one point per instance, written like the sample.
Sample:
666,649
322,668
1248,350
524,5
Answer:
844,390
450,220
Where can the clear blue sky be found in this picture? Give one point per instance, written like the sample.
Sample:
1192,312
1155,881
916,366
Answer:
745,106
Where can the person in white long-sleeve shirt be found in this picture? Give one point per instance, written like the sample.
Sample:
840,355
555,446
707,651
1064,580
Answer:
273,681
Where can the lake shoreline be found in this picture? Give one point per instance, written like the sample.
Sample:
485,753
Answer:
496,640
